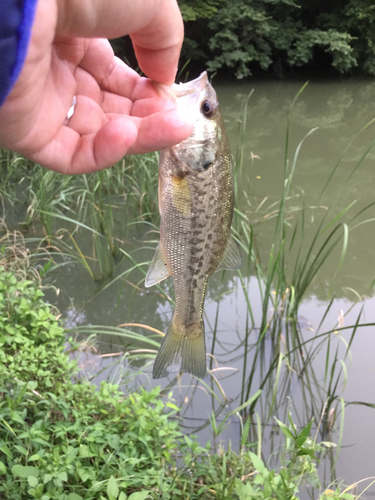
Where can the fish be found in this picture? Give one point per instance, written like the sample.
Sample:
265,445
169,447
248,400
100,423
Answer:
196,202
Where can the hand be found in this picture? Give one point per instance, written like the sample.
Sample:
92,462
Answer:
117,112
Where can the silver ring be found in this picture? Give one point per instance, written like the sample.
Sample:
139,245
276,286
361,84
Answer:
71,109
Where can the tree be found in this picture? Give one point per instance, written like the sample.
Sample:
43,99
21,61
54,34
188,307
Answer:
248,35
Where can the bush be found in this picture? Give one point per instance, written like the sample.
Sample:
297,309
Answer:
64,440
277,35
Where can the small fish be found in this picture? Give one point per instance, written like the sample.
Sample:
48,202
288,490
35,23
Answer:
196,200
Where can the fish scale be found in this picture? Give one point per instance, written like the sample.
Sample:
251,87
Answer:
196,204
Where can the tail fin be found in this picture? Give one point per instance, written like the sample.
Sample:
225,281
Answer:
181,352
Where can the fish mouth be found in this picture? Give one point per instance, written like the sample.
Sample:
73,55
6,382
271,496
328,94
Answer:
192,87
177,90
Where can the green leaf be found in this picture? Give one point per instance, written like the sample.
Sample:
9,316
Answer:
139,495
74,496
21,449
4,448
63,476
303,435
32,480
244,490
258,464
113,441
47,478
85,452
24,471
3,469
285,430
122,496
32,385
112,487
39,491
189,441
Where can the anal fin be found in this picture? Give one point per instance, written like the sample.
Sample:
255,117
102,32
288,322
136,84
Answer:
158,269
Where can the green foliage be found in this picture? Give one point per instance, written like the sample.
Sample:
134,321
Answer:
192,10
260,32
248,35
65,440
83,441
355,17
102,204
31,339
337,44
246,476
243,33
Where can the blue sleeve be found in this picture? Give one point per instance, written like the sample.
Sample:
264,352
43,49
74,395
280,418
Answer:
16,21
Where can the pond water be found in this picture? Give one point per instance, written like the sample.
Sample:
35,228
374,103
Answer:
334,154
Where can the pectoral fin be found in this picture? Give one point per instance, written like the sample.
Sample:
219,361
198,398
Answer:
158,269
232,259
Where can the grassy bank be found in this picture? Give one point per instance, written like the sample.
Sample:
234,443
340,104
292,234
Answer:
63,438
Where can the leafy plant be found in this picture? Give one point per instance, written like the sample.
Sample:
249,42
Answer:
280,34
54,435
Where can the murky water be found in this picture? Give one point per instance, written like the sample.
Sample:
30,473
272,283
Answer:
333,154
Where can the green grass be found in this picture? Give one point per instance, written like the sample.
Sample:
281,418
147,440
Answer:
296,259
105,204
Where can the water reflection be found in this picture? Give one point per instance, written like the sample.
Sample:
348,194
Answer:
337,148
74,317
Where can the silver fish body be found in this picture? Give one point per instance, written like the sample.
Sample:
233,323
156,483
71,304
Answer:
196,201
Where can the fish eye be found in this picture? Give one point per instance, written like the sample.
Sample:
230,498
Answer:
208,109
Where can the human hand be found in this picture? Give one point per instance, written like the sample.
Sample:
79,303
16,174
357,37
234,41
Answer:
117,112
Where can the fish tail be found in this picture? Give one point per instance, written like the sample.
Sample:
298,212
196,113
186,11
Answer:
182,352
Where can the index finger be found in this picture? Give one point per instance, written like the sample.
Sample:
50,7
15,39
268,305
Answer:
155,26
158,45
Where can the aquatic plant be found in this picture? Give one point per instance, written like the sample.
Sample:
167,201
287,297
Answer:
104,203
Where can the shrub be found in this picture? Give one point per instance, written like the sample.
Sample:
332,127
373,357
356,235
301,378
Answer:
64,440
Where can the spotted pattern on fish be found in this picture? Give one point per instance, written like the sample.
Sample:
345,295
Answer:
195,235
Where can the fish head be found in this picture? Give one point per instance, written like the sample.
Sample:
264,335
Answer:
198,99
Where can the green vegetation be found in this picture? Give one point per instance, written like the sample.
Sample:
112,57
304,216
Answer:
275,37
104,205
64,439
251,35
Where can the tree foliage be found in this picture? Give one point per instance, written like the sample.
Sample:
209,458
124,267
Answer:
276,35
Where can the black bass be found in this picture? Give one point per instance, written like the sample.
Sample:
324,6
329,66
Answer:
196,205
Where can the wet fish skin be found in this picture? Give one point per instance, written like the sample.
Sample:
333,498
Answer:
196,202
